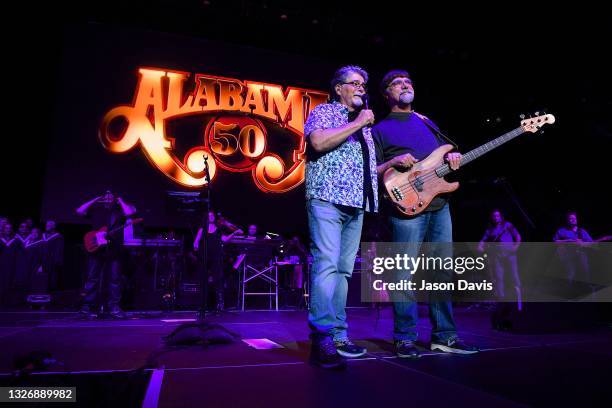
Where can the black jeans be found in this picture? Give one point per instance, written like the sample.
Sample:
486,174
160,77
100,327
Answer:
97,279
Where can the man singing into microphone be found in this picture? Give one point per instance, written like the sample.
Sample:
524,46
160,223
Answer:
401,139
341,184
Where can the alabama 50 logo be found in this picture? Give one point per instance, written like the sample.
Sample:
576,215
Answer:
235,136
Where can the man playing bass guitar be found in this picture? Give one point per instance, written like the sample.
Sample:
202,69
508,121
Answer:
403,138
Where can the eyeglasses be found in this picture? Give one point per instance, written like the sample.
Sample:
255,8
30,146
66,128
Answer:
399,82
357,84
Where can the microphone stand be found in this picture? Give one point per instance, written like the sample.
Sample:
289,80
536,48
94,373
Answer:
204,241
193,333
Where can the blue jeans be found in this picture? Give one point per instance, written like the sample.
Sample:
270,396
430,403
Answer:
335,233
429,226
505,262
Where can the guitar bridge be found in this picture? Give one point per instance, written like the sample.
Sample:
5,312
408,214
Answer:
397,194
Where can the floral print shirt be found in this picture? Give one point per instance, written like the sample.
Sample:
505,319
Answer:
337,176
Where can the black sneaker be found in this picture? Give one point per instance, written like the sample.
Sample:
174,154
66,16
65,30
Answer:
323,353
117,313
454,345
348,349
406,349
87,311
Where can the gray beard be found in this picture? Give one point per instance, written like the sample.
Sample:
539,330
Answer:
357,102
406,98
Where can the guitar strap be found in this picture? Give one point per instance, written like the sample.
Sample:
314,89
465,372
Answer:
441,136
497,238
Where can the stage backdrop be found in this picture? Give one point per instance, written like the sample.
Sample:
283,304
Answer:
138,111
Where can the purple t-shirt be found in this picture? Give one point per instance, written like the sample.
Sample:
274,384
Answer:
566,233
406,132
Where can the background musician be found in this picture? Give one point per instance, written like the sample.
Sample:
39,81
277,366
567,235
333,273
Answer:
573,257
502,256
213,243
104,265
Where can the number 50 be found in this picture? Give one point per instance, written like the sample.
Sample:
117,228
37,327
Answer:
250,140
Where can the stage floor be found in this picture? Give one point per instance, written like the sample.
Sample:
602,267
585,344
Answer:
569,368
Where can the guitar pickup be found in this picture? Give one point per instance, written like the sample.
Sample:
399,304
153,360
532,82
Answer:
397,194
418,184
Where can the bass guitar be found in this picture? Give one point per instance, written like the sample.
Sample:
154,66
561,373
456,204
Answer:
412,190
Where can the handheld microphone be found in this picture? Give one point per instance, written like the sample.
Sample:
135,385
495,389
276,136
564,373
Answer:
365,98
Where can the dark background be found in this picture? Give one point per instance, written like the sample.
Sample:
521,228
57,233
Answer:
475,71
